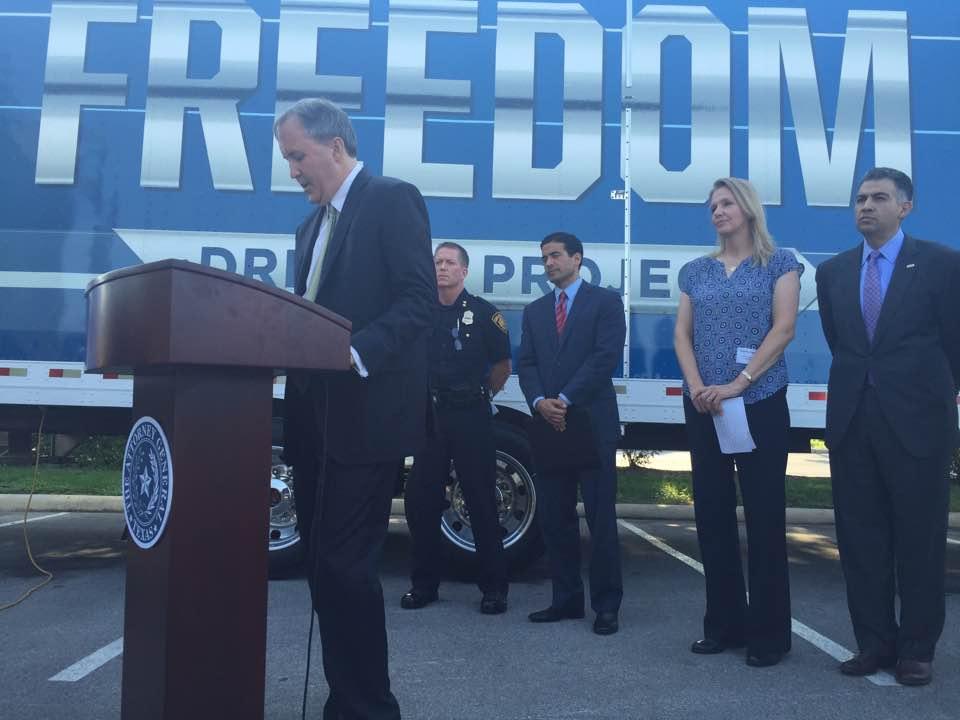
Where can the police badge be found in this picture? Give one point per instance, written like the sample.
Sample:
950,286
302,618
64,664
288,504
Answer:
147,482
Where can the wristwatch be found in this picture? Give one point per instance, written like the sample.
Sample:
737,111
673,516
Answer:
747,375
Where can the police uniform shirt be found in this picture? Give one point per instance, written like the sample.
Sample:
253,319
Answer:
468,337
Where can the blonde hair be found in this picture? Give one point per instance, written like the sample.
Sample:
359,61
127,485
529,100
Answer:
747,198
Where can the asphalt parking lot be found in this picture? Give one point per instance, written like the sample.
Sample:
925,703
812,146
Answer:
61,647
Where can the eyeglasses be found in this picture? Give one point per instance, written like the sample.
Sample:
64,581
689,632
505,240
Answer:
455,332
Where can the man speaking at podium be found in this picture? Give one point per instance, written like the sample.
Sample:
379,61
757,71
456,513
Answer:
364,253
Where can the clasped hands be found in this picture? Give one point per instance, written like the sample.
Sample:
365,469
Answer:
554,411
709,398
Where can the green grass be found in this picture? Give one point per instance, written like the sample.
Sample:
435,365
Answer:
660,487
645,486
637,485
59,480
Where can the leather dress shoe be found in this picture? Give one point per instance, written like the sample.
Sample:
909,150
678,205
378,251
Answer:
553,614
417,598
709,646
606,623
765,659
866,663
493,603
914,672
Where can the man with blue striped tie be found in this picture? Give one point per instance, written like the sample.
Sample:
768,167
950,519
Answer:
889,313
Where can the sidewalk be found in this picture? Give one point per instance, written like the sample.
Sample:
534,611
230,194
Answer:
625,511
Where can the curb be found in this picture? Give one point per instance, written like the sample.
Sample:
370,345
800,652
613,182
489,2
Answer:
62,503
625,511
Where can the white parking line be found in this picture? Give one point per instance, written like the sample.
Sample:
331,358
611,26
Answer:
33,519
835,650
91,662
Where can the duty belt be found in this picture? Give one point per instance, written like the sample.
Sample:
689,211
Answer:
459,396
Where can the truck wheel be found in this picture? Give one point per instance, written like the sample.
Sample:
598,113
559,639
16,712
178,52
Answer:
285,548
516,507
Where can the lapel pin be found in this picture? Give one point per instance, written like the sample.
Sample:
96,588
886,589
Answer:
911,265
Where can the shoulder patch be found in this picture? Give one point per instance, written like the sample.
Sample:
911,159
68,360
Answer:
499,322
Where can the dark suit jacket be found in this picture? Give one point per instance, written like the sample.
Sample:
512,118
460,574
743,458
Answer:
914,359
378,273
582,362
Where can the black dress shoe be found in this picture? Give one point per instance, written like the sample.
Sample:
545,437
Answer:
914,672
553,614
606,623
417,598
493,603
765,659
866,663
709,646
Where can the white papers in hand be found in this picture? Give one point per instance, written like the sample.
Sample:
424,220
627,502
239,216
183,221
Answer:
732,429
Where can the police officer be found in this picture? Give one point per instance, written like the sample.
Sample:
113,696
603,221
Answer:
469,360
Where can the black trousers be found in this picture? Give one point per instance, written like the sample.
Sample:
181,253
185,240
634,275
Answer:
343,572
557,513
763,623
891,513
464,435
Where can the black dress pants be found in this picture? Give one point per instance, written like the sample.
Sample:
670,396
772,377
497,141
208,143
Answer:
557,497
763,624
343,572
464,435
891,512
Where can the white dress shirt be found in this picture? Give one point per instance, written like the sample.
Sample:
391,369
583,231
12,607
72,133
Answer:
338,200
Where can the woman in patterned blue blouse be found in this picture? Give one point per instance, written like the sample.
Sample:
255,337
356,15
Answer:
737,313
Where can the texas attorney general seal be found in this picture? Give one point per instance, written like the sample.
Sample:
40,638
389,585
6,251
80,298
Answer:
147,482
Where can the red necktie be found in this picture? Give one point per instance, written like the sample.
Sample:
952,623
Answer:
561,312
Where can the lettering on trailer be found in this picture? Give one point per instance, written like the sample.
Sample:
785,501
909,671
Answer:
509,272
780,54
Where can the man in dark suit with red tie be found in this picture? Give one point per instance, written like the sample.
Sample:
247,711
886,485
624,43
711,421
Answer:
571,347
365,254
889,309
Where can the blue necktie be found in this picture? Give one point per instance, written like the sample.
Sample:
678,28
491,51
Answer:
872,294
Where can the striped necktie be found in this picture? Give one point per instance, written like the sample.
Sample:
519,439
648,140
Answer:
314,284
561,312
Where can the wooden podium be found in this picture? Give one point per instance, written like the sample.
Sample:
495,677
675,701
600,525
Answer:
203,345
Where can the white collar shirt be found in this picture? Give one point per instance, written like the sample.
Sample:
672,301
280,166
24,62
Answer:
338,201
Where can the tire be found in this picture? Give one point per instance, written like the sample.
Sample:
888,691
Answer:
285,549
517,508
